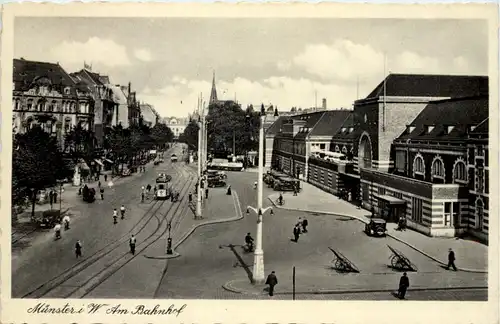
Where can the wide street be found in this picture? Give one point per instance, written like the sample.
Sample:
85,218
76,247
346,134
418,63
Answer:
37,258
206,262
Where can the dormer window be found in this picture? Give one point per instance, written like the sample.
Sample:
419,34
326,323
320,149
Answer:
66,91
429,128
472,128
449,129
344,129
351,129
410,129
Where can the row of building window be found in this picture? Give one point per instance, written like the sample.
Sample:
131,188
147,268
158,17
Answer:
46,106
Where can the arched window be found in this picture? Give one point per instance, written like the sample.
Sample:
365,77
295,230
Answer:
459,171
438,168
344,150
29,104
479,214
418,165
337,149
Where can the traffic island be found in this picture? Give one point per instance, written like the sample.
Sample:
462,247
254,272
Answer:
193,224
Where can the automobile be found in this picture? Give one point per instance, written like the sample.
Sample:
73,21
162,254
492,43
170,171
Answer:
214,182
162,177
376,227
173,158
126,172
286,184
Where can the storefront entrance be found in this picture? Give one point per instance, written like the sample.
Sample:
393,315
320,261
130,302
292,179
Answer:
391,208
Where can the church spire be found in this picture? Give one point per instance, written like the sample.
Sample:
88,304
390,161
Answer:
213,93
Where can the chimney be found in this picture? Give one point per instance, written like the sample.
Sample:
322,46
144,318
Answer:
129,88
324,103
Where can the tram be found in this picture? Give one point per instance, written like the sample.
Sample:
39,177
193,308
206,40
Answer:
163,189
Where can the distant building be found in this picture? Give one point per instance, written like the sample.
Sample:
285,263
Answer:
45,94
149,115
177,125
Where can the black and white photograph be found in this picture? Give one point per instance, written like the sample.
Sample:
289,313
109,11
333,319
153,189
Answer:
264,158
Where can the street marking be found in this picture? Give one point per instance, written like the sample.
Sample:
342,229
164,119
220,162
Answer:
237,205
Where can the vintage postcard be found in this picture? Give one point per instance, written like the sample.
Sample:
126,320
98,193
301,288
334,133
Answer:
239,163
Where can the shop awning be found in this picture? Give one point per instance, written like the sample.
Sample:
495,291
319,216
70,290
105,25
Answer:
391,200
98,162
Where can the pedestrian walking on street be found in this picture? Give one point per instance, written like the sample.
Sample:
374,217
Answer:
296,233
99,184
451,260
304,225
55,197
132,244
299,223
272,281
51,198
404,283
78,249
190,197
142,196
294,190
102,193
206,193
148,188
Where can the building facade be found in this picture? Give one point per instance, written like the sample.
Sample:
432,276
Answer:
416,147
45,94
149,115
105,106
177,125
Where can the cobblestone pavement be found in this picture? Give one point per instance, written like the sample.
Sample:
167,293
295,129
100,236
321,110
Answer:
204,267
38,258
470,254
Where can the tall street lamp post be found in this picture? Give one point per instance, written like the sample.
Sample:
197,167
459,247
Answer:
258,264
198,194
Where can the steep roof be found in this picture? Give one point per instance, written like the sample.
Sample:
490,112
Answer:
346,134
311,119
276,126
461,113
119,96
427,85
330,123
26,72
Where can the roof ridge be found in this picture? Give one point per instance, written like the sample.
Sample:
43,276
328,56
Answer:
320,118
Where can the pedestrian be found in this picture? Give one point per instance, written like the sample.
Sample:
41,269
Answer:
78,249
132,244
296,233
99,184
299,223
349,196
155,189
451,260
190,197
102,193
148,188
55,197
404,283
105,178
294,190
142,196
206,193
51,198
272,281
304,225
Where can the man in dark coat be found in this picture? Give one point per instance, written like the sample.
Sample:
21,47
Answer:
78,249
55,197
304,225
296,233
451,260
404,283
51,198
271,281
206,193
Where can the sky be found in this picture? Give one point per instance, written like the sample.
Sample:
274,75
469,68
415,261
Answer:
279,61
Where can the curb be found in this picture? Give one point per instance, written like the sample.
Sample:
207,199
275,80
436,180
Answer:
227,286
388,234
191,231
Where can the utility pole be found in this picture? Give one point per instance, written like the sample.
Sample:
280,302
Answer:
199,193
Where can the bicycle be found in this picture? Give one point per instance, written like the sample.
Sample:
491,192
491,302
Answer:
280,203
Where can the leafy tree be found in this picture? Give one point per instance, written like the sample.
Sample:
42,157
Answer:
79,144
37,164
227,122
161,134
190,135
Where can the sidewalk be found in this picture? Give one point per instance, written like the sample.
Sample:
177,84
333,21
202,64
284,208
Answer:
218,208
471,256
307,283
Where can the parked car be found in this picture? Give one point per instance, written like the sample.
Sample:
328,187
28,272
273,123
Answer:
376,227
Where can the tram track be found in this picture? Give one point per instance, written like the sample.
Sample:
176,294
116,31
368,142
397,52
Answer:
51,284
119,262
